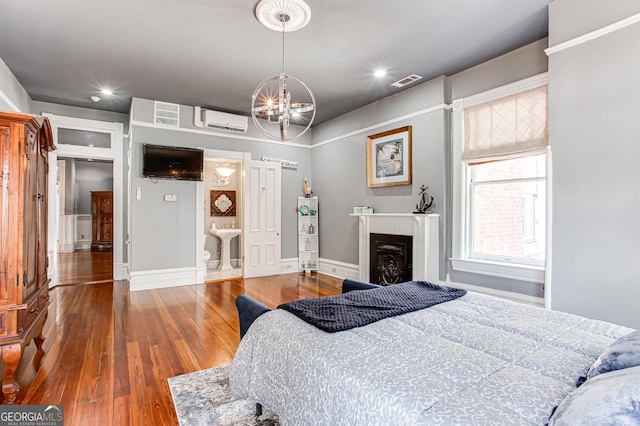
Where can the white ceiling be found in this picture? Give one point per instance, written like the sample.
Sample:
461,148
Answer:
213,53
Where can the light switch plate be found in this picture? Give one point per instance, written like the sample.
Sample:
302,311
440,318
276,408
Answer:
170,197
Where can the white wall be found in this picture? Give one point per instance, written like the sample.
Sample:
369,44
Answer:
593,132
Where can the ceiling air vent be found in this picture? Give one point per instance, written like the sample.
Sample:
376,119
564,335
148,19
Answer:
166,114
406,80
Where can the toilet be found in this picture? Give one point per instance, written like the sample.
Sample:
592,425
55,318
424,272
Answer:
207,253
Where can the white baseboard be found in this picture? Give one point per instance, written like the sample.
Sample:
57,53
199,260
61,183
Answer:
162,278
338,269
66,248
121,271
288,265
83,245
509,295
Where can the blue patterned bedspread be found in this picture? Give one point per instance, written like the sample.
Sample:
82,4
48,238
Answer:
359,308
476,360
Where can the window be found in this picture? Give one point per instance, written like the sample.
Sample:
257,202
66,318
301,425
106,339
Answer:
500,181
507,210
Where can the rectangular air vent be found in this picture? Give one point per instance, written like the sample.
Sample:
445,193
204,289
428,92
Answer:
166,114
406,80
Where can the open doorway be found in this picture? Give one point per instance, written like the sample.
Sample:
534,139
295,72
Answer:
222,218
85,201
83,140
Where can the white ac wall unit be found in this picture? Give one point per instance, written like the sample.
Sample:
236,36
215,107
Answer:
221,121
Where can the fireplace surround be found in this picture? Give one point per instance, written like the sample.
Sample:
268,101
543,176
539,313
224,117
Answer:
425,257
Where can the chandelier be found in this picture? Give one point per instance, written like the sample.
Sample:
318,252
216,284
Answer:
273,106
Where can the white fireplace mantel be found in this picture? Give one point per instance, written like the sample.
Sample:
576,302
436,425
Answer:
423,228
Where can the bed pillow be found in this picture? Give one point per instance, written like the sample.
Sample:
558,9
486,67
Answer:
608,399
623,353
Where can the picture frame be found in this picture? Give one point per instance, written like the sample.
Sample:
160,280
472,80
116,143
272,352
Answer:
223,203
389,158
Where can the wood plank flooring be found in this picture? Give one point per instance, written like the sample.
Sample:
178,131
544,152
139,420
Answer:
85,266
108,353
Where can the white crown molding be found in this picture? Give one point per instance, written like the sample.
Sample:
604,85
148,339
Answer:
384,123
593,34
214,133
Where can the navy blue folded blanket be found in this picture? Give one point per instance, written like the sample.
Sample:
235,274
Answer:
358,308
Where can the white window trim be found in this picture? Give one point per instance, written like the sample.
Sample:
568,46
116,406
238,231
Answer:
460,260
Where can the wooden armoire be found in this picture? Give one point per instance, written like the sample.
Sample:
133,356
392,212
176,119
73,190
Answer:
25,142
101,220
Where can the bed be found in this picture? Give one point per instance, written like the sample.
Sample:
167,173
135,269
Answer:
474,360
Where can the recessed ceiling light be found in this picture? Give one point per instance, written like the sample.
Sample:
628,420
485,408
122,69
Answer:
380,73
106,92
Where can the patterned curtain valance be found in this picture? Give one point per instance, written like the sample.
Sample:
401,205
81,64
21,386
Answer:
506,127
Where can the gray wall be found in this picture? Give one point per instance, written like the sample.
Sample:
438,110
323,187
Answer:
339,168
11,88
593,131
171,226
91,176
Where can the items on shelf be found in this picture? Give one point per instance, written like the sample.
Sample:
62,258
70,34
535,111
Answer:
308,236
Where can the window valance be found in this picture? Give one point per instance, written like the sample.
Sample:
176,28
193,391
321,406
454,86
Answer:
507,127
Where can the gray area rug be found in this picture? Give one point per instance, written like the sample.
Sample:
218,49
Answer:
204,398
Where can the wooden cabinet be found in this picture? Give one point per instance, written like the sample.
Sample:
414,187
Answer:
102,219
25,142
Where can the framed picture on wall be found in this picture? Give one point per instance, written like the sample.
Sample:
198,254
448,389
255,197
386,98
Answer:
223,203
389,158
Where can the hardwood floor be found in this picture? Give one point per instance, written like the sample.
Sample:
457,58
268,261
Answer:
85,266
107,353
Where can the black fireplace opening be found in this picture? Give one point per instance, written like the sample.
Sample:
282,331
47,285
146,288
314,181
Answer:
390,258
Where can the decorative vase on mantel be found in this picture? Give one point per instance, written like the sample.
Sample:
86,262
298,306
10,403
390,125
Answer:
424,201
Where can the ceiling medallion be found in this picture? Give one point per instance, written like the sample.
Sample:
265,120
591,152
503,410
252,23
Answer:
273,107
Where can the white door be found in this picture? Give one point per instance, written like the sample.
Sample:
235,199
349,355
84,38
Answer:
261,227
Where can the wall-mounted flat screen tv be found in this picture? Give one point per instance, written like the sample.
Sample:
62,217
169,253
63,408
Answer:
168,162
